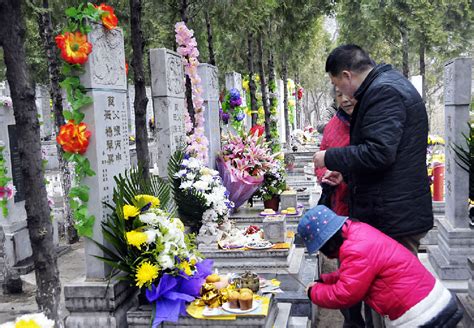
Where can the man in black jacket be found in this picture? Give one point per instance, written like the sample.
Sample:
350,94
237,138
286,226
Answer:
385,163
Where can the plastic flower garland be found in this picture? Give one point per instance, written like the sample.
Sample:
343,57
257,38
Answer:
196,140
7,189
232,106
274,135
74,136
6,101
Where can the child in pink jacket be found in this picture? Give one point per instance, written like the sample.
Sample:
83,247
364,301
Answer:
377,270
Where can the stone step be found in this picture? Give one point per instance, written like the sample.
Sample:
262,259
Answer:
283,316
299,322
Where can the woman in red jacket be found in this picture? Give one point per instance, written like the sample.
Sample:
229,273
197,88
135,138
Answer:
376,269
336,134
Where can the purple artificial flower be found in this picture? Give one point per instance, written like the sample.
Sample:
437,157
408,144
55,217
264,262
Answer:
239,117
234,94
225,118
235,102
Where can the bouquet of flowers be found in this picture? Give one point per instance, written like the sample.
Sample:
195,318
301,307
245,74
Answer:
151,248
198,190
36,320
242,164
273,183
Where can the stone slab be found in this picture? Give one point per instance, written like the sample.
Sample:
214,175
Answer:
139,317
467,304
98,304
299,322
167,78
445,269
457,81
283,316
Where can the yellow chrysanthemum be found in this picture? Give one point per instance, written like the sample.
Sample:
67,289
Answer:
146,273
155,202
27,324
130,211
245,85
136,238
185,267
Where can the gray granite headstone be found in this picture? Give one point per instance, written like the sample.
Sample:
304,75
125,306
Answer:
17,247
43,105
455,238
93,302
167,86
210,85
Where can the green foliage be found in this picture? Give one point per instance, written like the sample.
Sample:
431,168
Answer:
273,184
4,180
121,257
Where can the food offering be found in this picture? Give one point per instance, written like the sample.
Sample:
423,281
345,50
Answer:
249,238
267,211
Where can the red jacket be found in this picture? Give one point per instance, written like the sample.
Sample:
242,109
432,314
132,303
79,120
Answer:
336,134
381,272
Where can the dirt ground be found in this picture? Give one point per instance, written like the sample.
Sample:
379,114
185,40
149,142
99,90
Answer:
329,318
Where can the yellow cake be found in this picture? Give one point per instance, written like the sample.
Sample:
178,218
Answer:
233,299
246,300
213,278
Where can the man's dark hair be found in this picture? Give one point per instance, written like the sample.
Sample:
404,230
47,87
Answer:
348,57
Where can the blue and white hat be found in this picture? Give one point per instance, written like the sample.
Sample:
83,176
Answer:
318,225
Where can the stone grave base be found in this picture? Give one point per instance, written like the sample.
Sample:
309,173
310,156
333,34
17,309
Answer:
449,257
278,316
98,304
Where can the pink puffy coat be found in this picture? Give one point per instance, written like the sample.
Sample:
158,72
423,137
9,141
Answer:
384,274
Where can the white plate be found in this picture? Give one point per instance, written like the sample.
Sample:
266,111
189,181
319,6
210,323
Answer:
226,307
266,246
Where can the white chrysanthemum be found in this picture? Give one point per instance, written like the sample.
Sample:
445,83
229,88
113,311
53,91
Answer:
149,218
200,185
166,261
186,185
151,236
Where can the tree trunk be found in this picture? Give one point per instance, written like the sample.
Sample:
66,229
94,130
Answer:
252,86
40,228
183,11
212,58
263,86
405,49
46,32
141,99
285,101
422,69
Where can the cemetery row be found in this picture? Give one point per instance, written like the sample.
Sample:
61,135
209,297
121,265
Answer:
109,120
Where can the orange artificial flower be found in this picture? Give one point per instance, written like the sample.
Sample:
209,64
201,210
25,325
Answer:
74,138
108,17
74,47
126,68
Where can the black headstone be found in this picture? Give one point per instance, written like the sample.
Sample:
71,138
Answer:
16,164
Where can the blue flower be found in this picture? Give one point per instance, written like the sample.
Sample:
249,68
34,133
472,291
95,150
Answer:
239,117
234,94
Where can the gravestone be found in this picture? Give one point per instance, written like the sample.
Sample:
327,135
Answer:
210,86
281,112
167,89
455,238
15,240
94,302
43,105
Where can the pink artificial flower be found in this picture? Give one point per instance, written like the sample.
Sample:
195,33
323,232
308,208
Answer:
7,192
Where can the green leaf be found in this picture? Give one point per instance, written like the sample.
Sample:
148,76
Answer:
78,116
81,192
71,12
68,115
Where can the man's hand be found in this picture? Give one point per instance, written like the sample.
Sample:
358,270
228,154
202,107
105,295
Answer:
318,158
332,178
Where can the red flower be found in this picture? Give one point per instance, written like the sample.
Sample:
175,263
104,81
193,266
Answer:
74,138
74,47
300,93
126,68
108,17
260,129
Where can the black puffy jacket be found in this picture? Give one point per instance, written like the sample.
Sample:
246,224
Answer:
386,160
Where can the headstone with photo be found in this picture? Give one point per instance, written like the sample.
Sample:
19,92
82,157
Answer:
167,86
95,302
